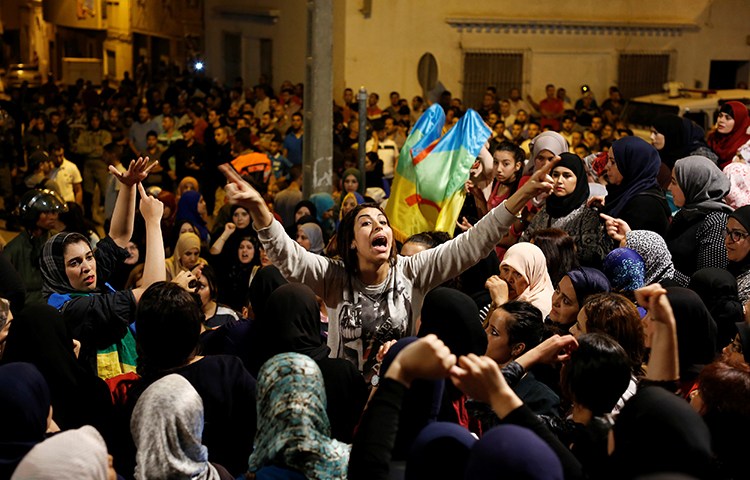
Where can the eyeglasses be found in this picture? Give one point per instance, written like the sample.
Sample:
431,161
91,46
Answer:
735,235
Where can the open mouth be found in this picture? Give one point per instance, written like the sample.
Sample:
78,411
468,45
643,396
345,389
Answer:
89,280
380,243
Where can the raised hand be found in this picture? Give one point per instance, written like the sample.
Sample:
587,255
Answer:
654,299
137,171
426,358
229,228
539,183
498,289
464,224
238,191
151,208
478,377
555,349
616,228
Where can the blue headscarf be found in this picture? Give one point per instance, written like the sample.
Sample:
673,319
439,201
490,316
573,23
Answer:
449,442
625,270
323,202
511,451
639,164
187,209
587,281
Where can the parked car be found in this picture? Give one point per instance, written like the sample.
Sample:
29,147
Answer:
700,106
23,72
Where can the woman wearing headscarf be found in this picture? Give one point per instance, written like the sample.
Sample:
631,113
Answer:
446,441
737,243
293,429
167,425
656,257
454,318
571,293
80,454
39,336
512,451
324,204
658,432
696,333
696,232
310,237
566,209
544,148
739,184
524,270
192,207
677,137
75,275
186,256
634,194
25,403
732,131
625,270
291,323
718,290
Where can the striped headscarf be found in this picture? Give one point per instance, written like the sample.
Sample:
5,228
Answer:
293,427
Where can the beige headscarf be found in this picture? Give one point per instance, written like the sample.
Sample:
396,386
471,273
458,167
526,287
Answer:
528,260
187,241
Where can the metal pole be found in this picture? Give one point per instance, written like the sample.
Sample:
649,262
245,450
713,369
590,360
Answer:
362,100
317,163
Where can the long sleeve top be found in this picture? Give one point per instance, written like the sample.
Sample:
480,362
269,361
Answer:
363,317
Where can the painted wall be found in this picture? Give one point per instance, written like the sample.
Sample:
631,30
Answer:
288,35
382,51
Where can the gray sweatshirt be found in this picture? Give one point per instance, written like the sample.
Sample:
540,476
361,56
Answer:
363,317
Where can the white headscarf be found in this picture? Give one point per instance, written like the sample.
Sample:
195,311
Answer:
167,426
80,454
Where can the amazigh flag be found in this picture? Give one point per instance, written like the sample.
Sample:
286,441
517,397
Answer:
427,192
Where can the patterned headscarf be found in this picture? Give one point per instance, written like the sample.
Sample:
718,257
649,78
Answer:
80,454
625,269
167,426
52,263
293,428
656,256
739,180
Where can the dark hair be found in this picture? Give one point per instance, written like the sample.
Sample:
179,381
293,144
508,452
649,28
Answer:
616,316
429,239
527,326
345,236
296,114
168,321
243,137
518,155
75,221
213,285
597,374
559,249
151,133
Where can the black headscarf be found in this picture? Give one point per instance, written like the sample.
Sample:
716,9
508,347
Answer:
558,207
718,290
264,283
24,403
682,137
658,432
291,323
39,336
696,332
454,318
638,163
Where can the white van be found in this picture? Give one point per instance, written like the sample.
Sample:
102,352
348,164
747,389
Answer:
700,106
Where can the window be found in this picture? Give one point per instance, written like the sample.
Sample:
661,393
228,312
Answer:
503,70
111,65
642,73
232,56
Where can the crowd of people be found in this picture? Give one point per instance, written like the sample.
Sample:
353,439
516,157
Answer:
174,305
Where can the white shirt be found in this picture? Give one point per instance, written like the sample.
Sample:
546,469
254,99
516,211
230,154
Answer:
387,152
65,176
